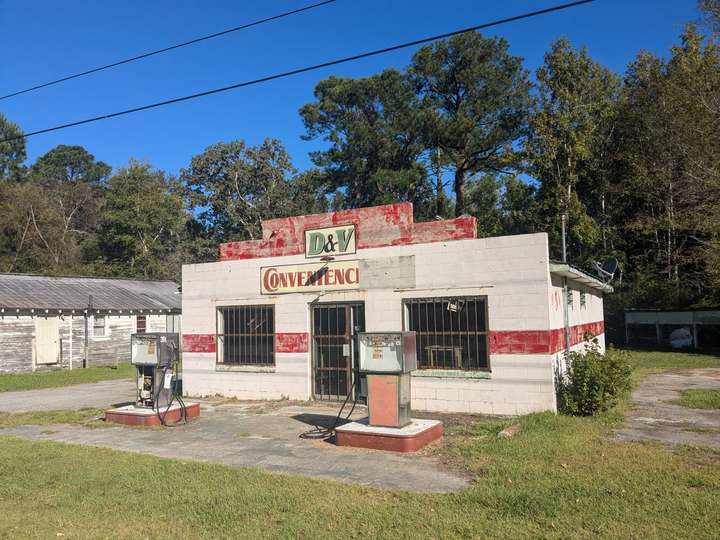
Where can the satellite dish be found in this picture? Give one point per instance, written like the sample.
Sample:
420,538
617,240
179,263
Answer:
607,270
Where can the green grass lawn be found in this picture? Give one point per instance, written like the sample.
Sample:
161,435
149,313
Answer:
560,477
40,418
63,377
699,399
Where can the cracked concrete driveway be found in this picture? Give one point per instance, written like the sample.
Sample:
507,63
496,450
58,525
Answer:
264,435
74,397
654,417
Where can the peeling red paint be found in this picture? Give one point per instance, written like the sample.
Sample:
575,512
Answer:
292,342
541,341
377,226
199,343
501,341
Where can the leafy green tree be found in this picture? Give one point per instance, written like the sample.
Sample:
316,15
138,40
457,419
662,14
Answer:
519,207
711,13
143,223
49,220
482,197
669,173
12,153
570,126
375,145
233,187
69,164
474,99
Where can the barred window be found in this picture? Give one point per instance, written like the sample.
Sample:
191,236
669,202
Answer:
141,324
246,335
451,332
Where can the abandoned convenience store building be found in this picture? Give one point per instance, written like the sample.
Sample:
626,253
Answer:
276,318
69,322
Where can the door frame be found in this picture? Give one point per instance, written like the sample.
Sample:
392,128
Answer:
349,334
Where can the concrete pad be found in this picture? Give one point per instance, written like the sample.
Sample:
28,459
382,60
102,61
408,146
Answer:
77,396
411,438
264,435
654,417
131,415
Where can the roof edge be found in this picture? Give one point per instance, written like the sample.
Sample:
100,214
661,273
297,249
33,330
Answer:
110,278
568,271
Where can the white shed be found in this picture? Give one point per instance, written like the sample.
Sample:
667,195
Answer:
51,322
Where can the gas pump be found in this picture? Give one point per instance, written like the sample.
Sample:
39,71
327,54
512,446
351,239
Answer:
387,358
156,357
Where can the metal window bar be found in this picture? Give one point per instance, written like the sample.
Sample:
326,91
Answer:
248,335
458,340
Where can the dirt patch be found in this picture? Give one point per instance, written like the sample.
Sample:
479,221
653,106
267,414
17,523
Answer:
655,415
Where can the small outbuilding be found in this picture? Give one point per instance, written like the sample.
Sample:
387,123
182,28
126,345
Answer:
279,317
697,329
69,322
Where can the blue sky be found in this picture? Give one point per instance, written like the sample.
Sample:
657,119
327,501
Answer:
42,40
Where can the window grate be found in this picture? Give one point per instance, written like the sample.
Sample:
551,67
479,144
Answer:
246,335
451,332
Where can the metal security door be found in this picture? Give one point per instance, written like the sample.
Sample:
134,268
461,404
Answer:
335,327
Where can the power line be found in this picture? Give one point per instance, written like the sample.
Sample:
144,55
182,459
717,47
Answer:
170,48
303,70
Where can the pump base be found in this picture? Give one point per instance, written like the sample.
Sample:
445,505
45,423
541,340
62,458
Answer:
411,438
131,415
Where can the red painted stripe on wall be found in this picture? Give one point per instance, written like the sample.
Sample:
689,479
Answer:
501,341
540,341
288,342
201,343
292,342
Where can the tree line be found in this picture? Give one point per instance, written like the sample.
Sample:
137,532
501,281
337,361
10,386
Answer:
632,160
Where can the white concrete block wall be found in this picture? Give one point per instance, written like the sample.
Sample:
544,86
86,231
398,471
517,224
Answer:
518,384
591,312
512,272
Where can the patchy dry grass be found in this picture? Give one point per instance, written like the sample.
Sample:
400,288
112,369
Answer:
559,477
63,377
699,399
41,418
646,362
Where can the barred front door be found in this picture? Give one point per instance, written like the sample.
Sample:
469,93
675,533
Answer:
335,327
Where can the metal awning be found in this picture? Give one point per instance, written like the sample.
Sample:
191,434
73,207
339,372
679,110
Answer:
570,272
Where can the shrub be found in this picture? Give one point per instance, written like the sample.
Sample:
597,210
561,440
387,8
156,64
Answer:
593,381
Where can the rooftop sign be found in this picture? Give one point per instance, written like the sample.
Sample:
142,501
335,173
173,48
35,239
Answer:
330,242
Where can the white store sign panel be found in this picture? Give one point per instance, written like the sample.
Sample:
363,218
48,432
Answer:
310,277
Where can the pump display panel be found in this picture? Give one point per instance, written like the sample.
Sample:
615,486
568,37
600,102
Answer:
387,352
145,350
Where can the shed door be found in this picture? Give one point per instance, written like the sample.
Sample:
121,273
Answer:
47,341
